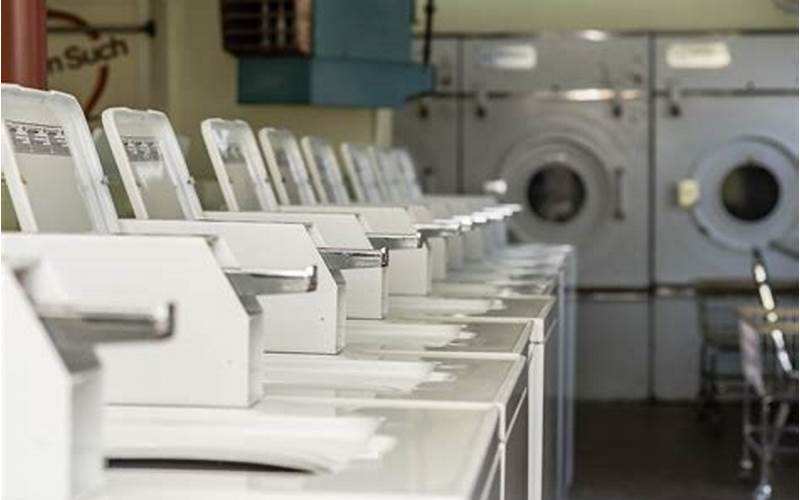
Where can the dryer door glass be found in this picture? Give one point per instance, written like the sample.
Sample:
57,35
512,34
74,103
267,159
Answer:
567,187
746,193
556,193
750,192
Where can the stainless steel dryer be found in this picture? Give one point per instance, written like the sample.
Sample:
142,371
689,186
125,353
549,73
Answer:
726,179
563,120
725,156
429,126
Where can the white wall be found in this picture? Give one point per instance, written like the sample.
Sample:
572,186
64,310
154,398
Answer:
199,81
184,72
551,15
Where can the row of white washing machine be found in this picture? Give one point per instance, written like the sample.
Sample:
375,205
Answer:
334,334
664,158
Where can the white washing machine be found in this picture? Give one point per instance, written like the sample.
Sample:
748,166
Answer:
726,179
725,156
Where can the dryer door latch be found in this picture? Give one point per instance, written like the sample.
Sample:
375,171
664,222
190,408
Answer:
687,193
619,194
616,103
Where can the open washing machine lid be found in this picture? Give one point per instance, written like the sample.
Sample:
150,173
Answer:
151,164
238,165
325,170
50,164
742,194
285,161
361,172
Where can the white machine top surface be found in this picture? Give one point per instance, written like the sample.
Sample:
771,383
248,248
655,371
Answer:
540,311
434,454
546,285
257,436
430,382
440,339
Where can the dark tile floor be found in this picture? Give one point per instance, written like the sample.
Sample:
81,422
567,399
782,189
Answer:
627,451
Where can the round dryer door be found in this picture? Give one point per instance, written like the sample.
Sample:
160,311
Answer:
744,194
567,185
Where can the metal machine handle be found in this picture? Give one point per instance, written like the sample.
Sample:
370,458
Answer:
395,241
492,215
73,324
616,103
506,210
464,222
673,99
513,208
438,229
347,258
619,194
254,283
481,103
478,219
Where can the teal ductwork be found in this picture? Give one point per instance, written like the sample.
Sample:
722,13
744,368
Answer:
328,81
358,55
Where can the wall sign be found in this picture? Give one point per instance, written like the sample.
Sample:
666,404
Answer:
96,52
712,55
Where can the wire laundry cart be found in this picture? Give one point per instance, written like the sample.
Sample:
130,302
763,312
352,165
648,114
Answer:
768,337
718,303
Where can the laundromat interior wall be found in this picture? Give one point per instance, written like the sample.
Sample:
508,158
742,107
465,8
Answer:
197,68
184,72
184,63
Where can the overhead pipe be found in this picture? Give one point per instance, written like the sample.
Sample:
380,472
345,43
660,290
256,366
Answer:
430,9
24,54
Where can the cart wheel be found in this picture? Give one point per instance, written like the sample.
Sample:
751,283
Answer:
745,469
715,423
701,413
762,492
